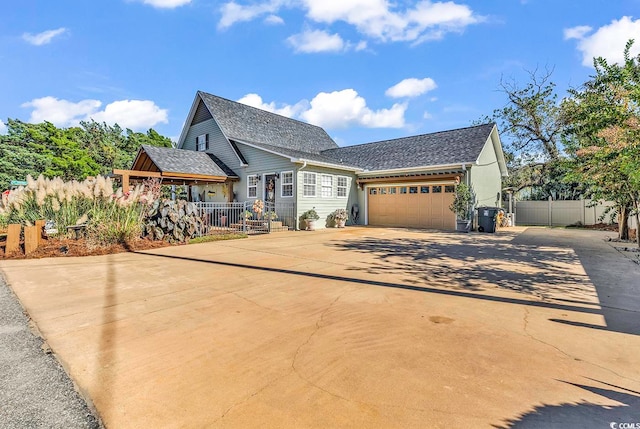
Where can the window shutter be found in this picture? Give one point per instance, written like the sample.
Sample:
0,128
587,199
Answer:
206,145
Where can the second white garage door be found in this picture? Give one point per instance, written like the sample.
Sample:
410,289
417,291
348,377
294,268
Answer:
412,206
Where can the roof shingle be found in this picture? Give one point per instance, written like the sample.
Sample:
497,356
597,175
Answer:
187,161
457,146
249,124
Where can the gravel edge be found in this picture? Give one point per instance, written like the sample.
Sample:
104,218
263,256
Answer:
35,390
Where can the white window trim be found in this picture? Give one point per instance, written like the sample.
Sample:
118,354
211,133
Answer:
346,186
198,139
249,186
323,187
282,184
315,185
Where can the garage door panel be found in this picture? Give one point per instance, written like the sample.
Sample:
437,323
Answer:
414,206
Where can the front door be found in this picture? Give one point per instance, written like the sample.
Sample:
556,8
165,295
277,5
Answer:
270,189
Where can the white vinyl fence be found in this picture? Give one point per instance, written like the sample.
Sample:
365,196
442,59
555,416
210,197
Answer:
562,213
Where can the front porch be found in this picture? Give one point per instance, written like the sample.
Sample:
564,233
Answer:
221,217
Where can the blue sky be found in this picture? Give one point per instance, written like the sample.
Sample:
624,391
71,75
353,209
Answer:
365,70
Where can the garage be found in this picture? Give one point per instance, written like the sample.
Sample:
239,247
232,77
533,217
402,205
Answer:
419,205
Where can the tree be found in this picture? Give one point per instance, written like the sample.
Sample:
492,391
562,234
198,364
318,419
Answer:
71,153
603,135
531,126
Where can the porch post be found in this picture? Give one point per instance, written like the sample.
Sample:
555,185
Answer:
229,185
125,183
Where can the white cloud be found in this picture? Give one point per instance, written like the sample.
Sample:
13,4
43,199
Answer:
340,109
43,38
427,20
411,87
576,32
290,111
233,12
427,115
134,114
3,128
166,4
608,41
274,20
61,112
312,41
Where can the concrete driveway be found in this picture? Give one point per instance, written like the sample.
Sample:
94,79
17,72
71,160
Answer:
360,327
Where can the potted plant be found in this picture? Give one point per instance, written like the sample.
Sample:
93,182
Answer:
461,206
340,217
310,217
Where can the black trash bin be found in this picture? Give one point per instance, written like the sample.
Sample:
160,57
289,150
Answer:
486,218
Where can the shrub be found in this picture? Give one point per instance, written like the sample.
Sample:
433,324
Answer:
339,214
310,214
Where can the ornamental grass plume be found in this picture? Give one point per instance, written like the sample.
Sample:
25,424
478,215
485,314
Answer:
55,205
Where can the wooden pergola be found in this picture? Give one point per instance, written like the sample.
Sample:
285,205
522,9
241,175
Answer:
145,168
169,178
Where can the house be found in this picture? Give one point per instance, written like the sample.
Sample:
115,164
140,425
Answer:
229,151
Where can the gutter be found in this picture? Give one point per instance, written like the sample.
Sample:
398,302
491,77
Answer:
462,166
325,164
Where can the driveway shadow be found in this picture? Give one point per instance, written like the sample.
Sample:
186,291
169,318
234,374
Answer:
540,262
583,414
473,263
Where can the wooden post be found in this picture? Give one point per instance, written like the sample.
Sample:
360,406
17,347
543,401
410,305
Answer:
125,183
229,186
30,239
13,239
40,226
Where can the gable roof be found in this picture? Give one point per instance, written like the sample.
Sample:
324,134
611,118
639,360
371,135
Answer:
170,160
248,124
459,146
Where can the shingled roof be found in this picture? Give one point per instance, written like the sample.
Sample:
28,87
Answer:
442,148
249,124
187,161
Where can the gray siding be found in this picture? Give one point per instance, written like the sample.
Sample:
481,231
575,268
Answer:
218,144
326,205
260,163
485,177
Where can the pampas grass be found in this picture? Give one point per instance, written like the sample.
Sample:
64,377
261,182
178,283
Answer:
111,217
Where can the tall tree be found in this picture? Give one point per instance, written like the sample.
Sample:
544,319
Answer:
531,126
71,153
603,135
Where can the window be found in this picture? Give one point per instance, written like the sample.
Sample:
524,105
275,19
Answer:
413,189
392,191
286,184
383,191
373,191
437,189
202,142
424,189
449,189
327,186
252,186
341,186
309,184
403,189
